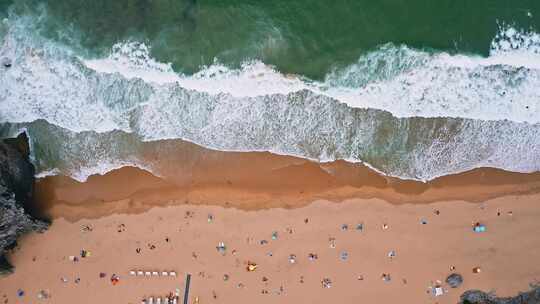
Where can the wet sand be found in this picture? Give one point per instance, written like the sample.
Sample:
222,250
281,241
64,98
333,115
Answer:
259,180
250,195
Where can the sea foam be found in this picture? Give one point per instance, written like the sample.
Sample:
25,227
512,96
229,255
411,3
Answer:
408,113
397,79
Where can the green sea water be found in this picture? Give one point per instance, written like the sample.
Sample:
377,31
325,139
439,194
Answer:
417,89
307,37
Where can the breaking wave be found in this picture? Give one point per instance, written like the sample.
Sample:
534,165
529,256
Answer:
409,113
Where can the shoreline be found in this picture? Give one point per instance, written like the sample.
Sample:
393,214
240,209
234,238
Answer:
259,180
142,222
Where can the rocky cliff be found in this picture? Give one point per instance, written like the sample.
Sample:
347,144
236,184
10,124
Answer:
16,190
480,297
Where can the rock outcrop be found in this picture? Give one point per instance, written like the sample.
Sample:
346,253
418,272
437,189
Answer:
16,190
480,297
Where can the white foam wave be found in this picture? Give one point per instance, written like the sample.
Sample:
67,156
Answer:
45,82
509,39
101,167
50,172
258,108
494,88
132,60
403,81
104,167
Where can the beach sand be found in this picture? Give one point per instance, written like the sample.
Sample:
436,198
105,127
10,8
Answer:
507,253
254,194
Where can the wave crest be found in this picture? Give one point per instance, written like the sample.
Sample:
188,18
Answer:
409,113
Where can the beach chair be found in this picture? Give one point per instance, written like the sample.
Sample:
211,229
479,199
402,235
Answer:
151,300
172,273
132,272
164,273
140,273
155,273
147,273
158,300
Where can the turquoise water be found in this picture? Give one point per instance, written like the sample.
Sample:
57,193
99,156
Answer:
307,37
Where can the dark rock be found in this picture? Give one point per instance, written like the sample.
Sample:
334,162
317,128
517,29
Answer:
5,267
16,190
16,171
454,280
480,297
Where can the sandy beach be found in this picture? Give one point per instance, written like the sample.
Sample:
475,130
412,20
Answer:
306,151
185,241
131,220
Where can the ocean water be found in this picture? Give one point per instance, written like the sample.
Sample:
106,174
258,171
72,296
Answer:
415,89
